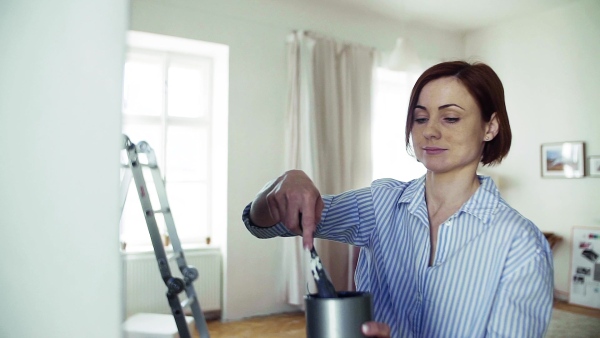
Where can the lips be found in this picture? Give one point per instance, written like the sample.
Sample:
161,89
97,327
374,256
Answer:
433,150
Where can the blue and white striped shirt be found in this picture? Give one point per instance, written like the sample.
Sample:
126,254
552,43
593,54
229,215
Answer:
492,275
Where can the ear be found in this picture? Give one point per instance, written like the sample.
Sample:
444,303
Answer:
491,128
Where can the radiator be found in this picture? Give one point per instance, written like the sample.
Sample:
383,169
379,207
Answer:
145,291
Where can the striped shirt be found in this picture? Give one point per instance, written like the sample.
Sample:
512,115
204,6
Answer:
492,275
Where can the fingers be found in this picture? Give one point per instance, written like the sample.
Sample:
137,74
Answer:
300,217
310,221
308,229
273,208
294,200
376,329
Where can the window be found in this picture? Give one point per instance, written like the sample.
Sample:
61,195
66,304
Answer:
174,98
390,103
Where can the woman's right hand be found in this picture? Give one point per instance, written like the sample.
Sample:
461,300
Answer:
284,200
376,329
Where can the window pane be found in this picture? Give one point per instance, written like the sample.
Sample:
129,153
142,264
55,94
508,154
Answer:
189,204
143,88
391,95
187,149
134,231
188,89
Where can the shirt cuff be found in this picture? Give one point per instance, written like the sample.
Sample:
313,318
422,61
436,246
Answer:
277,230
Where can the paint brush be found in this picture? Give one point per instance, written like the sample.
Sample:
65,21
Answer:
325,288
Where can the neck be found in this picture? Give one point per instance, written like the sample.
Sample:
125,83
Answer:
449,190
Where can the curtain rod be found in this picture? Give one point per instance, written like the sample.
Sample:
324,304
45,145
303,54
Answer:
317,35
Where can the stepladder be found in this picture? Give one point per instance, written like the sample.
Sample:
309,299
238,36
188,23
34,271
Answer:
138,157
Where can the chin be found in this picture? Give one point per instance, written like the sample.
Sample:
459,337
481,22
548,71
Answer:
440,168
437,170
435,167
443,168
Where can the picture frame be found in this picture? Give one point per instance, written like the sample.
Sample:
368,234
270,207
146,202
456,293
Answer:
563,159
594,166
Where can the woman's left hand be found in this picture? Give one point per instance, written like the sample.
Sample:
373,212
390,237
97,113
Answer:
376,329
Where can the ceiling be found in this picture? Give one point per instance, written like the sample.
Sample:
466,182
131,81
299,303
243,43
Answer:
455,15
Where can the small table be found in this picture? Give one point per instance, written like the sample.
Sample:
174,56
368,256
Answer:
552,239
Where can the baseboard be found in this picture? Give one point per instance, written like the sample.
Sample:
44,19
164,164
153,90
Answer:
561,296
208,315
212,315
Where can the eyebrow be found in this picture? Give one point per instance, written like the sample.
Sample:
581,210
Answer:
441,107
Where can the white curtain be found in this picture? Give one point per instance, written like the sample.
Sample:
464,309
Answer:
329,137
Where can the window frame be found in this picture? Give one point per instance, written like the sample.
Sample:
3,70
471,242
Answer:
177,50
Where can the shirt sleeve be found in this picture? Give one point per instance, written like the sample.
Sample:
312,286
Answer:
347,218
523,306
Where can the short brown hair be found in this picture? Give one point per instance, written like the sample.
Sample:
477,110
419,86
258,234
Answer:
487,90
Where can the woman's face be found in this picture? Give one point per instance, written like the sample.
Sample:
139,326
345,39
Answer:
448,133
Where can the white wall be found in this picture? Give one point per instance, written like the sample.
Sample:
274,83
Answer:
60,92
256,33
549,64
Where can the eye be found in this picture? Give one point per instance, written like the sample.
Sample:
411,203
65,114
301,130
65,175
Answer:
421,120
451,119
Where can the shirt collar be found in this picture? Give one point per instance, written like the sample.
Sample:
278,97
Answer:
485,200
481,205
414,194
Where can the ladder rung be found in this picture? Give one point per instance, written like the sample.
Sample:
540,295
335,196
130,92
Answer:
158,211
188,301
141,164
174,255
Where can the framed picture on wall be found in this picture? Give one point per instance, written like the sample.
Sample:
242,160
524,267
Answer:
594,166
563,159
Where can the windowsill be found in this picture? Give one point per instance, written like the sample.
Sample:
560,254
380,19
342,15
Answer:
186,247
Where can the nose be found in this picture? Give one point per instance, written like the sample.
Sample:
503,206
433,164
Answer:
431,130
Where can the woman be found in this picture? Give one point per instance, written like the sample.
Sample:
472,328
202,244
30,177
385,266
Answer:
443,255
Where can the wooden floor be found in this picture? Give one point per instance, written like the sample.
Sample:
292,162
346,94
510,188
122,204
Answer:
291,325
577,309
